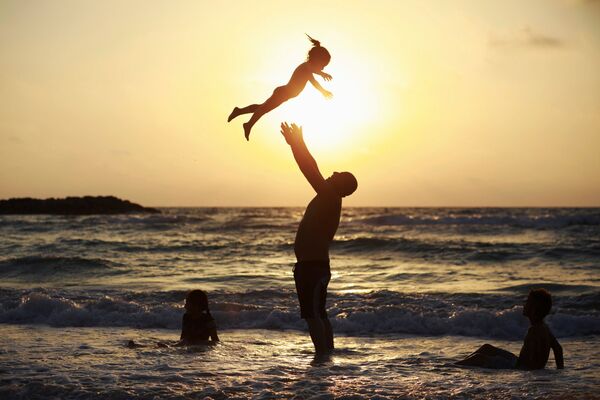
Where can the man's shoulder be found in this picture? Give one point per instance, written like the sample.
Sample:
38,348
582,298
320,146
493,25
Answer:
328,195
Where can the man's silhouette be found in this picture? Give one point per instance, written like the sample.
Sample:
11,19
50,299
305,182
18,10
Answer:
314,235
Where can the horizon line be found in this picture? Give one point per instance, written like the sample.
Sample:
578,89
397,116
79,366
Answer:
377,206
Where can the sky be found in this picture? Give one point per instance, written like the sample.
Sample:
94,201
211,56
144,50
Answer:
438,103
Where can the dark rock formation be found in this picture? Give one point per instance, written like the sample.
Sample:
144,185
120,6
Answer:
72,206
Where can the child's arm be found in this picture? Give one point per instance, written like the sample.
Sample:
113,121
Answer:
320,88
324,75
213,335
558,352
185,328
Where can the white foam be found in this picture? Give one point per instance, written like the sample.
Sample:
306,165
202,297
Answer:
352,315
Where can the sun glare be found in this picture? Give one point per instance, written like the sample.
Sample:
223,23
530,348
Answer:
330,124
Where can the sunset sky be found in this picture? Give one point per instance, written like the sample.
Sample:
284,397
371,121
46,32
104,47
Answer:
438,103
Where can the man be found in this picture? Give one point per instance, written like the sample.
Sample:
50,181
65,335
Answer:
315,234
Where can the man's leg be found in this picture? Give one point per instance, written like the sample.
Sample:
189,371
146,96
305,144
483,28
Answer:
328,333
320,328
311,286
317,328
328,330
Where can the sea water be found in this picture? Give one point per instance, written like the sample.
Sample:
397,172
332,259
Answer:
412,291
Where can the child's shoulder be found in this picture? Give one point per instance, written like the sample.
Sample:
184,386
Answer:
203,317
539,331
304,67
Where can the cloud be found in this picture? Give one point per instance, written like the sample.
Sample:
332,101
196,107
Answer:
527,38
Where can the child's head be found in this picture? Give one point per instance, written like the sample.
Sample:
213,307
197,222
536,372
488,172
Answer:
318,55
196,301
538,304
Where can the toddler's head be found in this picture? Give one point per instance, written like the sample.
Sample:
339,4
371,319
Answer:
538,304
196,301
318,55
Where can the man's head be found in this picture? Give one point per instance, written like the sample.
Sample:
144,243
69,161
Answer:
538,304
344,183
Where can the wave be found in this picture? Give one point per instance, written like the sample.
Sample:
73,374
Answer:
43,266
374,313
552,287
519,221
464,250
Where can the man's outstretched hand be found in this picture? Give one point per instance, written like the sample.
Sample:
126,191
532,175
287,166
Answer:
292,134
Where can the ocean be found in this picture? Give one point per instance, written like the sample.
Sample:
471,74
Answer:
412,291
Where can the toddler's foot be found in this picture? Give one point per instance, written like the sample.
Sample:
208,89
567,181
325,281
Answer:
233,114
247,128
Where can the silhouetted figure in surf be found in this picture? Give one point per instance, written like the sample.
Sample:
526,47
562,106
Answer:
314,236
536,346
318,58
197,326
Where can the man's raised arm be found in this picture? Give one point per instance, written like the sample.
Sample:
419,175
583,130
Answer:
306,162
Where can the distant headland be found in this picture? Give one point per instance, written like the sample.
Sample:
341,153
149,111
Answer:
86,205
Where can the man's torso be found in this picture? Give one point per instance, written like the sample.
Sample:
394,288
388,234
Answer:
317,228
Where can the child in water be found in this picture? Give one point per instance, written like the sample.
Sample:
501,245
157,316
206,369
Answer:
197,325
318,58
536,346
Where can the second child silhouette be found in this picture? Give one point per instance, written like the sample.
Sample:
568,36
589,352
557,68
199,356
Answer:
536,346
318,58
197,326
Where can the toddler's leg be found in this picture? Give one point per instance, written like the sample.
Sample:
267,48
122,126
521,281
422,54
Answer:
271,103
239,111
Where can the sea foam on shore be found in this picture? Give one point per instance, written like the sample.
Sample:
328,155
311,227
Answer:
75,363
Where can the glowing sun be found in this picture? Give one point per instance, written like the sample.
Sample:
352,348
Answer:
332,123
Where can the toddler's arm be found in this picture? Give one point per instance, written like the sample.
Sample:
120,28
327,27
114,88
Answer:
320,88
324,75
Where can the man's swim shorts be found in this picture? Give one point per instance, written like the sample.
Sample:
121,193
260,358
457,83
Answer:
312,278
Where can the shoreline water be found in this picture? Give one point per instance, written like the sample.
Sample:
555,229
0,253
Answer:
412,290
39,361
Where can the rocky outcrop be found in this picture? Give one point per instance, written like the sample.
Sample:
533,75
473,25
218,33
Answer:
86,205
